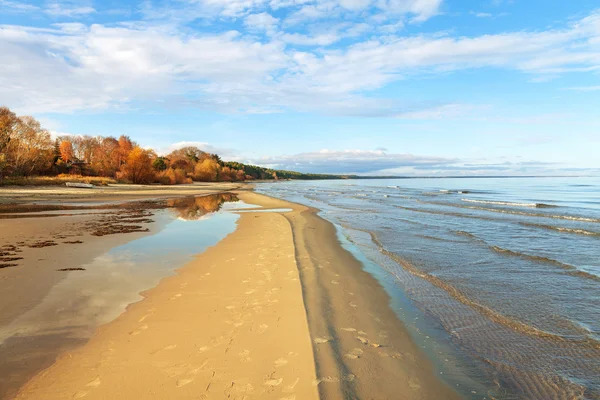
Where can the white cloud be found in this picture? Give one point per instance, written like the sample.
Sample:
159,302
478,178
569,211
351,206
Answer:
585,88
262,21
481,14
349,161
72,66
68,10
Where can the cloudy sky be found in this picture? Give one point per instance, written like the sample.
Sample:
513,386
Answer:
408,87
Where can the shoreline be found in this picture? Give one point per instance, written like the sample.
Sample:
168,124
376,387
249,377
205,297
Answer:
352,345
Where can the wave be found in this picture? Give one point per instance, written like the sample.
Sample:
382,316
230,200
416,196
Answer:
510,204
573,270
451,214
515,212
576,231
485,310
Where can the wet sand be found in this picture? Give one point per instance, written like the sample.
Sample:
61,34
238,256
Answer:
35,248
278,309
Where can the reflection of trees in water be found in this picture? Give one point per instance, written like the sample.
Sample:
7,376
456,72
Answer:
192,208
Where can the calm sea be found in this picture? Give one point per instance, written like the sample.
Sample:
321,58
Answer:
497,278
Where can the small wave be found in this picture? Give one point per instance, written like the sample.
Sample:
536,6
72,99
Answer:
515,212
576,231
510,204
484,310
540,259
467,234
394,187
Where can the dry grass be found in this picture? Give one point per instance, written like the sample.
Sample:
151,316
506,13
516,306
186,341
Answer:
58,180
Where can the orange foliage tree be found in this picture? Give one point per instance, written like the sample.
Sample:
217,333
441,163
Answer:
66,151
206,170
138,166
107,157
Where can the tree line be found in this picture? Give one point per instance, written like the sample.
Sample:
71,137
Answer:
27,149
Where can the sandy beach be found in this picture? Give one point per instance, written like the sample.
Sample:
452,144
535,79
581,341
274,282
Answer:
278,309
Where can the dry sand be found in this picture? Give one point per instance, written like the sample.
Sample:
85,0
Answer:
278,309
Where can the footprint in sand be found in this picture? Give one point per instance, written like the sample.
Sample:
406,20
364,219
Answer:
363,340
290,388
413,384
178,295
183,382
263,328
244,355
326,379
352,304
335,282
139,330
79,395
144,318
250,291
321,340
274,382
94,383
349,329
354,354
280,362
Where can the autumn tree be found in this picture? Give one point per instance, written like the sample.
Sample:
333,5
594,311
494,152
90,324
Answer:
30,148
125,147
84,148
8,120
206,170
107,156
138,166
66,151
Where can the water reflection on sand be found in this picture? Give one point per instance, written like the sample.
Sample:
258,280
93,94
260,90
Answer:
103,287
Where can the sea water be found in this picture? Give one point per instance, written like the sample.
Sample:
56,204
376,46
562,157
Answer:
498,279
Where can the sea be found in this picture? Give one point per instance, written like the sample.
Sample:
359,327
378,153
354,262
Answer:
497,279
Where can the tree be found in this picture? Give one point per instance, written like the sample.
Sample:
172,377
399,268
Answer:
84,148
30,148
107,156
138,166
125,147
8,120
66,151
159,164
206,171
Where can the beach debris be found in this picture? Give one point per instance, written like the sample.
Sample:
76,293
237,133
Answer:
71,269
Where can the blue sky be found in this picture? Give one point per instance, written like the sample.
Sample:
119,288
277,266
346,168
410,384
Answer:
409,87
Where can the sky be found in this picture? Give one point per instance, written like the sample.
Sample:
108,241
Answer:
373,87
